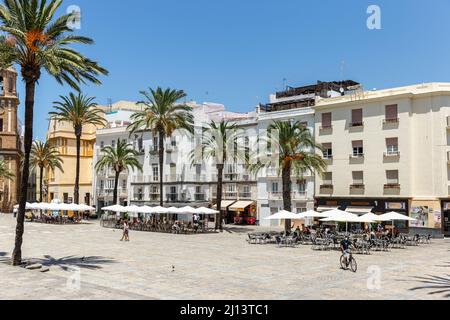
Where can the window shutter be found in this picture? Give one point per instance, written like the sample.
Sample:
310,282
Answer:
392,112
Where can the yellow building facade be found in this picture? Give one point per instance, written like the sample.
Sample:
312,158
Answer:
60,185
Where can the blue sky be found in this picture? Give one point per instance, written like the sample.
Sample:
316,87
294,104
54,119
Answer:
238,52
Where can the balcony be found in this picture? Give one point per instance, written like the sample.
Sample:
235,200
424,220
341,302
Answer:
357,186
138,197
327,187
393,121
357,124
245,195
392,186
295,195
200,197
171,178
171,149
356,156
392,154
326,129
154,150
172,197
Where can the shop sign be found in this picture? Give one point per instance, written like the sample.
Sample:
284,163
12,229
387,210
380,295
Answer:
395,205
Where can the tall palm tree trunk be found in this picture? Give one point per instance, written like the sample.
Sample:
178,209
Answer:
116,188
219,196
161,167
41,184
76,192
30,88
287,197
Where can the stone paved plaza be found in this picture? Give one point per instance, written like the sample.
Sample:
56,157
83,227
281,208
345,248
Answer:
205,267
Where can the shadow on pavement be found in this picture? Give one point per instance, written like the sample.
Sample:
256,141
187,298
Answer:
435,284
66,263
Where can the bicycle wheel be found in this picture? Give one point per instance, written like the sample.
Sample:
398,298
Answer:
343,263
353,265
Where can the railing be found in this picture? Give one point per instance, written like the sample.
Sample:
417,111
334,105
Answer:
357,186
245,195
330,127
356,156
200,197
391,121
357,124
172,197
392,154
392,186
295,195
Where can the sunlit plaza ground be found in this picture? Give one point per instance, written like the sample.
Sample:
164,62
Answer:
211,266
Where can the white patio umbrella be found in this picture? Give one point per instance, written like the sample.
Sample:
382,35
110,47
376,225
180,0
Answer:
173,210
159,210
187,210
374,217
83,207
394,216
285,215
314,214
206,211
341,216
115,208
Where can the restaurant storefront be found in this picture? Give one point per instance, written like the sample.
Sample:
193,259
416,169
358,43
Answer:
225,205
428,213
363,206
243,213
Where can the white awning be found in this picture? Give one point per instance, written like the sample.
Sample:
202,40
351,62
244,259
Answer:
326,208
359,210
240,206
225,204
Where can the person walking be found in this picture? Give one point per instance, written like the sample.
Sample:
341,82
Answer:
126,232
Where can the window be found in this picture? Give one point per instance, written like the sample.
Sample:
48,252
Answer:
327,151
1,125
11,84
198,169
326,120
392,113
124,184
66,198
198,190
140,144
302,186
358,177
113,143
275,187
102,144
358,148
328,178
392,177
392,146
155,171
102,184
2,86
247,189
357,118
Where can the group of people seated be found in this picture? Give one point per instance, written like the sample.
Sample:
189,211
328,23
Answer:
166,225
53,218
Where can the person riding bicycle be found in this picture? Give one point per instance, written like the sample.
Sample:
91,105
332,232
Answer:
346,244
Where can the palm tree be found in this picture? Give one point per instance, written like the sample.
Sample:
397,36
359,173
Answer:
33,39
5,174
120,158
296,156
44,157
162,115
219,143
79,110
